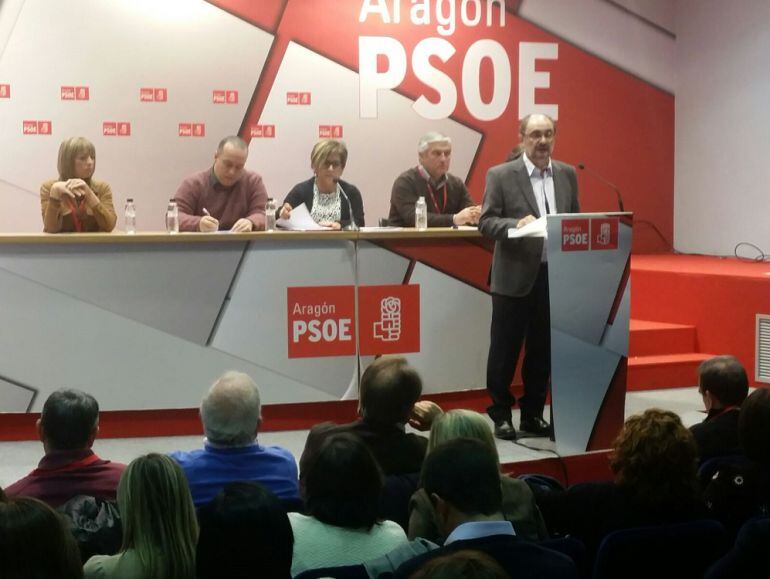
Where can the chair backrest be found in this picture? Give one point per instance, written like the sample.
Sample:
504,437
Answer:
394,500
708,467
679,550
747,558
344,572
572,548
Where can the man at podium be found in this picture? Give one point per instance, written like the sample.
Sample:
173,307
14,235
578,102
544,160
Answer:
517,193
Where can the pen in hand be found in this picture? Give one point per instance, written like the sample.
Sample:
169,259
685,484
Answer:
206,212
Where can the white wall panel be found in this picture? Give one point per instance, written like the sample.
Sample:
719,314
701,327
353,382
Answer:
722,126
612,34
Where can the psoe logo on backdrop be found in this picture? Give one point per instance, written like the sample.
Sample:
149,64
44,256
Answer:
262,131
75,93
383,61
153,95
5,91
225,97
388,319
37,127
604,233
321,321
575,235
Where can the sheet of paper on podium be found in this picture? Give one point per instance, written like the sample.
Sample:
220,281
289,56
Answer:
538,228
300,220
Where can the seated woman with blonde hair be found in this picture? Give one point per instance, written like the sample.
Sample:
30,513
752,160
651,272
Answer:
75,202
324,194
160,530
518,501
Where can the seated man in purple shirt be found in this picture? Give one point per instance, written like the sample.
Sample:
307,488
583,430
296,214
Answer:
68,427
231,413
225,197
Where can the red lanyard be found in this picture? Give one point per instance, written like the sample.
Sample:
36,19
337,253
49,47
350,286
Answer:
74,208
433,197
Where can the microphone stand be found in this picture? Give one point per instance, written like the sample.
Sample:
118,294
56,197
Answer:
582,167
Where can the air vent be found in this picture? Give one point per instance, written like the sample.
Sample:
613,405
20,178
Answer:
763,348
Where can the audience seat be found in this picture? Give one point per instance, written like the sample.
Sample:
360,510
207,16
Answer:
344,572
747,559
681,551
572,548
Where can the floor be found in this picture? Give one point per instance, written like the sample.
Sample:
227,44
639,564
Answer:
19,458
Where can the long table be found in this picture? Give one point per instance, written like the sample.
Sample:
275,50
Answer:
148,321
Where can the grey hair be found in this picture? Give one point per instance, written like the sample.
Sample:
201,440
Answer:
231,410
234,141
432,137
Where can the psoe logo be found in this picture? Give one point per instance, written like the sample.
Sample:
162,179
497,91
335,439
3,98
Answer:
388,319
321,321
604,233
388,327
575,235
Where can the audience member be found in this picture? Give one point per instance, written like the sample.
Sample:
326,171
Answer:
741,490
462,479
35,542
342,490
244,533
225,197
231,414
654,460
387,401
461,565
518,504
76,202
159,526
446,197
68,426
324,194
723,384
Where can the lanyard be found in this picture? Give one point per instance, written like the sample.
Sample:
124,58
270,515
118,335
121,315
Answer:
439,209
75,218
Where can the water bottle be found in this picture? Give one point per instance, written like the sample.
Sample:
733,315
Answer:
172,217
270,215
130,216
421,215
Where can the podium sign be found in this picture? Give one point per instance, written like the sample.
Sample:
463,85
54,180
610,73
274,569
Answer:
590,293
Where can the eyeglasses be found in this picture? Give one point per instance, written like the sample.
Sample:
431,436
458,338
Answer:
332,164
537,135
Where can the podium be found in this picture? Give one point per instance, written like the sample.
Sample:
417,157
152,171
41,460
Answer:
590,294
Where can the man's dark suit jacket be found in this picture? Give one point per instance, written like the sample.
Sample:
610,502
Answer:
396,451
717,435
521,559
509,197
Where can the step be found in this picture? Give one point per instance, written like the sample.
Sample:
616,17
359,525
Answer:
664,371
659,338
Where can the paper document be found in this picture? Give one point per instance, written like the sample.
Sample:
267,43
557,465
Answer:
538,228
370,229
300,220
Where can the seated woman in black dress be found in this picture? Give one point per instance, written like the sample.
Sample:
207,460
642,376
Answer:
324,194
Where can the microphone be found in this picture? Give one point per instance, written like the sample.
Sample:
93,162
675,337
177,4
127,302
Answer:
582,167
353,225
